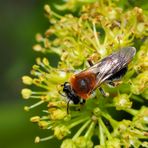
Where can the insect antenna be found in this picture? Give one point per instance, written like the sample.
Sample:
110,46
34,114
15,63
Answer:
90,62
105,94
59,91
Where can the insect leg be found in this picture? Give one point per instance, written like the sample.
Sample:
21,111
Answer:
111,84
90,62
114,80
115,83
82,101
103,92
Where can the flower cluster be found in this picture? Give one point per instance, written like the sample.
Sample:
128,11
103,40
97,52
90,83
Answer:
95,31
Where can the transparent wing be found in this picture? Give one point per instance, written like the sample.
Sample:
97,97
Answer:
112,64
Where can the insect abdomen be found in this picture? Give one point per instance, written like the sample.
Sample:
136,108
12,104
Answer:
118,74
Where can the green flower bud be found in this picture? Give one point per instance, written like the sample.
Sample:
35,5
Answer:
26,93
140,27
57,114
26,108
45,61
43,124
47,9
140,83
39,62
68,143
122,127
97,112
61,131
35,67
57,104
145,94
141,119
37,47
122,102
113,143
144,144
27,80
82,142
35,119
39,37
37,139
112,14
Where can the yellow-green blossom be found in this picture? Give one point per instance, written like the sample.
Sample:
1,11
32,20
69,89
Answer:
91,29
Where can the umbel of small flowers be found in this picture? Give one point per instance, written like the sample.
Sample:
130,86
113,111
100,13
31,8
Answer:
95,31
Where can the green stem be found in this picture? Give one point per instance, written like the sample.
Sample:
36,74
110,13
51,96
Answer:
47,138
131,111
54,50
101,135
136,98
89,132
110,105
36,104
78,122
96,36
113,122
35,97
39,93
91,40
81,130
56,15
41,85
47,68
105,129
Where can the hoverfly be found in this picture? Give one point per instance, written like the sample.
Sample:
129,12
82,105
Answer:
109,69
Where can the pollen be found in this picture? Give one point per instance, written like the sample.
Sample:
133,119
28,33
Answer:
37,139
26,93
35,119
37,47
27,80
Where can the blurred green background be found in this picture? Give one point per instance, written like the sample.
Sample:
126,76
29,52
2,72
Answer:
19,22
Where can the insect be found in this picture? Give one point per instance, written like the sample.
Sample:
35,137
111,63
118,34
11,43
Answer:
109,69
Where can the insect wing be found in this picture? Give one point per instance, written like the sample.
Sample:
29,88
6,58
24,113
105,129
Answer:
112,64
126,55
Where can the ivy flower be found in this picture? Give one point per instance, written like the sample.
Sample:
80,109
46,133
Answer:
91,30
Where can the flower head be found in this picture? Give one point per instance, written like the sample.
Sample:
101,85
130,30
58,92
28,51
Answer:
95,31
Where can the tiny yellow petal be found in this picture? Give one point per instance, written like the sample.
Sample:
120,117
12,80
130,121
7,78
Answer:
37,47
47,9
43,124
27,80
35,119
45,61
26,93
26,108
37,139
39,37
